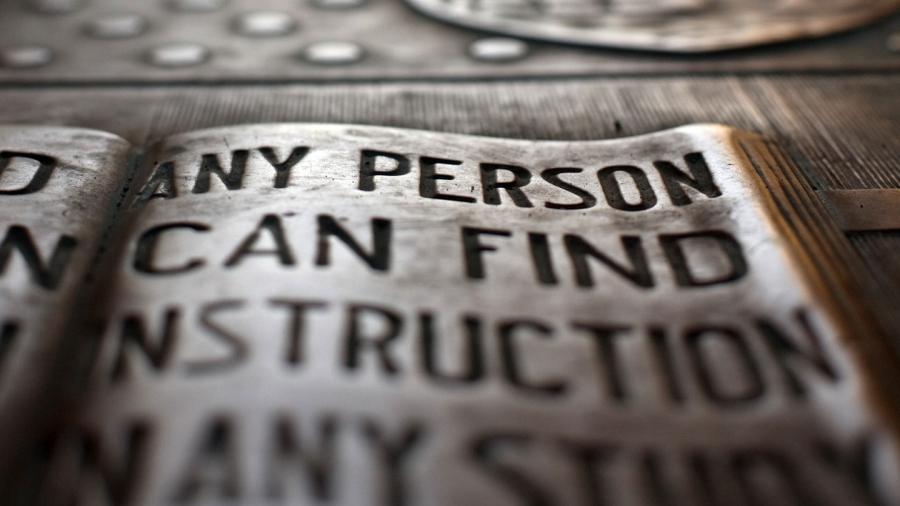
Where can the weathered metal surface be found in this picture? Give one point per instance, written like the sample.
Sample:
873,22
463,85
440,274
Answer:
865,210
57,188
839,128
364,315
662,25
287,40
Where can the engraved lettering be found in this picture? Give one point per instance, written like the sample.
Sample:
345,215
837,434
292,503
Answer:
579,251
210,164
9,332
161,183
541,258
700,179
271,225
472,368
48,274
788,354
314,458
491,186
392,453
157,351
148,243
46,166
674,247
612,188
236,345
511,356
283,168
380,257
472,249
212,471
296,334
605,344
552,176
368,167
356,341
488,453
743,365
429,176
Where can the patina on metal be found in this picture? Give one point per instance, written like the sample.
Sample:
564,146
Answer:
368,315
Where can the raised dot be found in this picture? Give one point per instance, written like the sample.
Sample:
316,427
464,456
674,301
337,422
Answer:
498,49
196,5
893,42
117,26
178,55
20,57
333,52
265,24
55,6
338,4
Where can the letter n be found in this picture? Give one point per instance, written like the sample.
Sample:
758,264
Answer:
47,275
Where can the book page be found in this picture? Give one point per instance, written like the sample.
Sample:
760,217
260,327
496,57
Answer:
324,314
58,187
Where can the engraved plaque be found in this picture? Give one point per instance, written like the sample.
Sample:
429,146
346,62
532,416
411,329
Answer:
662,25
363,315
57,187
140,41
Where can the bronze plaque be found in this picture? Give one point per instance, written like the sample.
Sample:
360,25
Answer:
301,313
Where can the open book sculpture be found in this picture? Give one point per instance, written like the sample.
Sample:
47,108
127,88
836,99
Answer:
268,314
